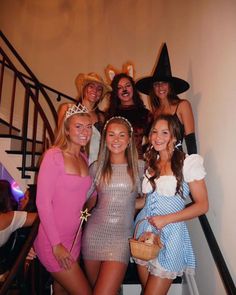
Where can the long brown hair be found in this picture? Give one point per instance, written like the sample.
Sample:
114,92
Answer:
177,156
155,101
115,102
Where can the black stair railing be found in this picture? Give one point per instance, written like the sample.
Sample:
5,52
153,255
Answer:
34,93
28,96
30,73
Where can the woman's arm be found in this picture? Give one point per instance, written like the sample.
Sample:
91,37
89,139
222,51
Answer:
46,187
91,202
187,118
200,202
140,202
200,206
23,202
61,113
63,256
31,217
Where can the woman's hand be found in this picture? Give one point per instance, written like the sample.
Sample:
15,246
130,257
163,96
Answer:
23,202
31,254
63,256
158,221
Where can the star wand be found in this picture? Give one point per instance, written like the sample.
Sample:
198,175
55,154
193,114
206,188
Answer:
83,217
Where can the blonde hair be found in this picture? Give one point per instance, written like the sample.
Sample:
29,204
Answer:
104,171
61,140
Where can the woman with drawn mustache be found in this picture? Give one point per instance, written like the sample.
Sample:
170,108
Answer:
126,102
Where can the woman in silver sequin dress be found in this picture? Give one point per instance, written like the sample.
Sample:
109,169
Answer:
117,176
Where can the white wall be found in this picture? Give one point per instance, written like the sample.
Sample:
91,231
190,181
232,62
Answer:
207,276
60,38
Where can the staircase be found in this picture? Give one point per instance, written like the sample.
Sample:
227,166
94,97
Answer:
27,122
27,116
11,159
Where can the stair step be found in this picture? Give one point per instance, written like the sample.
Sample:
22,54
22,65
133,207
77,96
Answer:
19,138
31,169
17,152
5,127
18,157
16,143
175,289
29,174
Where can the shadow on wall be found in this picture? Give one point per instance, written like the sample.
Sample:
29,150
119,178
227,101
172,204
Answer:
215,203
63,11
194,98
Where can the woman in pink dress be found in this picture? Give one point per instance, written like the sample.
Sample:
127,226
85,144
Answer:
63,182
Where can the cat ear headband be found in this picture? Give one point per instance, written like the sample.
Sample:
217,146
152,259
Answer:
111,71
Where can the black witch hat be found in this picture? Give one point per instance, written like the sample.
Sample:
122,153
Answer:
162,73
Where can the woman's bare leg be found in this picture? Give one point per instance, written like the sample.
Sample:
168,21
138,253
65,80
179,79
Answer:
143,275
58,289
156,285
110,278
73,281
92,268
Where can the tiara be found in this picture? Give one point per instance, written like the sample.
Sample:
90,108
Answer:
76,109
121,118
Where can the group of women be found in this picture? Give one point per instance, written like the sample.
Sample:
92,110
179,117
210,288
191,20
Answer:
124,175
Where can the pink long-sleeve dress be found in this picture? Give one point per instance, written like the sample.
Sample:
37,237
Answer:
60,198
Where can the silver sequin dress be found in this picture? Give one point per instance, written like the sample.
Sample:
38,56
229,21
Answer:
108,229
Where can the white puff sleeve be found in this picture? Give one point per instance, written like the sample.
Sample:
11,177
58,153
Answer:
193,168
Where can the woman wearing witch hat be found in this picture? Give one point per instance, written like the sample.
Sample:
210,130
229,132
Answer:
163,90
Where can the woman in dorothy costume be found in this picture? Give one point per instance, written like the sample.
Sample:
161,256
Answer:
170,176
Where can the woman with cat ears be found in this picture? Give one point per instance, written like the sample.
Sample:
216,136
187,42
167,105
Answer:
117,184
125,101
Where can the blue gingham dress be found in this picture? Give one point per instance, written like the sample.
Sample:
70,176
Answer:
177,256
